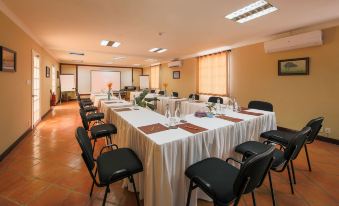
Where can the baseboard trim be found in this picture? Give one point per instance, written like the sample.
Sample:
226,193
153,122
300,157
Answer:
319,137
13,145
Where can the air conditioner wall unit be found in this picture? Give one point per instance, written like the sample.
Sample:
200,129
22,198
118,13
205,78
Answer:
298,41
174,64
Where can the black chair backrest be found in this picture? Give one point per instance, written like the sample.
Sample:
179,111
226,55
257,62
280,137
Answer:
266,106
161,93
253,170
296,143
175,94
152,91
215,99
86,147
315,125
84,119
196,96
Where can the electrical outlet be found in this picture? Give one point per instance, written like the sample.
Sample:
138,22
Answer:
327,130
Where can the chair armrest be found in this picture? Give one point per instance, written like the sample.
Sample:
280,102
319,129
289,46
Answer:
237,161
109,145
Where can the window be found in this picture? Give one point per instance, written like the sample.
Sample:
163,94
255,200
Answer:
213,74
155,72
54,81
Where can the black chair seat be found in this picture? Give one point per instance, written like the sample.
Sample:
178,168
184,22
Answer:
90,109
123,162
216,178
282,137
95,116
252,147
86,103
102,130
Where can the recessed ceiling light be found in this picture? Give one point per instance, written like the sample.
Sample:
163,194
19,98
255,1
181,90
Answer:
252,11
77,53
110,43
150,60
119,58
157,50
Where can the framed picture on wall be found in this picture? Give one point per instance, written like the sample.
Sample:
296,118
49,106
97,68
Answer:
48,72
176,75
7,60
299,66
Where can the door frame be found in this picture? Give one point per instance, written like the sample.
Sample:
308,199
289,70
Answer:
35,53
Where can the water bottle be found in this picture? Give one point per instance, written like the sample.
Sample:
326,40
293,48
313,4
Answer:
177,112
119,95
218,106
193,97
168,114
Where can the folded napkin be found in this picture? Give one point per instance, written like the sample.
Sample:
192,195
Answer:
251,113
228,118
191,128
153,128
122,110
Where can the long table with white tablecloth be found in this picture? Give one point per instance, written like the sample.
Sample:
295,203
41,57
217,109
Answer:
166,154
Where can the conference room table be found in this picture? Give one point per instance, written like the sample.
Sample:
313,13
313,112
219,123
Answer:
166,153
98,97
107,105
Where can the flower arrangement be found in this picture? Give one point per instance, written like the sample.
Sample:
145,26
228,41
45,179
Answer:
210,106
109,85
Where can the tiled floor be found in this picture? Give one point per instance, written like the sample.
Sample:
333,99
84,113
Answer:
46,169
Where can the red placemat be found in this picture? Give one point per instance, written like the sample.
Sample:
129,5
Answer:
191,128
153,128
227,118
122,110
251,113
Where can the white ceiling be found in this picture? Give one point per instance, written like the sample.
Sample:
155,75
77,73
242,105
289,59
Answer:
188,26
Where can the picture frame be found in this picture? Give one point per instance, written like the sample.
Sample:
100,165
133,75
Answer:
48,72
7,60
176,74
298,66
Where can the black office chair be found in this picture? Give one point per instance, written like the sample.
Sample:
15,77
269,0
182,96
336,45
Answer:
225,183
98,131
152,91
161,92
94,118
196,96
88,100
175,94
111,166
283,137
87,108
266,106
282,156
215,99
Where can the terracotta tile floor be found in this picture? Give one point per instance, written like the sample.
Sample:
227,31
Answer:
46,168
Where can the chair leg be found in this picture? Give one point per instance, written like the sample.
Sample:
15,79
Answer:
189,193
253,198
106,191
95,174
95,140
308,159
135,190
271,186
293,173
289,177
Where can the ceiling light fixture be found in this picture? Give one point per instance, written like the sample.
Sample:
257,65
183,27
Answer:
119,58
110,43
77,53
252,11
157,50
150,60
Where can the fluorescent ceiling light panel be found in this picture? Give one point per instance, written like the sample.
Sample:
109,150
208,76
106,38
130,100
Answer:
110,43
157,50
252,11
77,53
119,58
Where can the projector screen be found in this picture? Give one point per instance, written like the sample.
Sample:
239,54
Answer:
100,79
144,82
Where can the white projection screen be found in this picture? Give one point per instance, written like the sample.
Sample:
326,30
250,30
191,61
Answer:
100,79
144,82
67,82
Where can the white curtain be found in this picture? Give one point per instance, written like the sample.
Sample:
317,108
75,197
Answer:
155,72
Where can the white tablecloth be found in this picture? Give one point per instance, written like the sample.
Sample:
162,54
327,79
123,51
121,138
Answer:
165,155
97,97
163,101
106,105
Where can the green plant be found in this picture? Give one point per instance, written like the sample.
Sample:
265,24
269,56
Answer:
142,101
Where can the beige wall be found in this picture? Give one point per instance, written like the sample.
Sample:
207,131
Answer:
187,82
296,99
15,92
